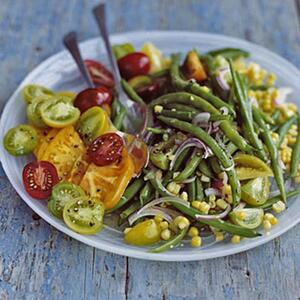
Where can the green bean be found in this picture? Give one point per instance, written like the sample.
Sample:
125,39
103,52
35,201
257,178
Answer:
129,193
246,113
171,243
231,148
268,204
215,165
146,193
296,152
182,107
114,107
229,53
130,210
261,87
189,169
198,102
284,128
194,87
268,119
191,190
157,130
181,115
180,159
199,190
119,118
226,162
275,115
131,93
272,149
220,224
205,169
161,73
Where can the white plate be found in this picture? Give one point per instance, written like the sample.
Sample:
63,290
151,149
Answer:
59,73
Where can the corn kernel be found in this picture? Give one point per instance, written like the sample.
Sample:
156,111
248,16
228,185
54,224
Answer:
267,225
173,187
158,109
227,189
183,223
212,203
165,234
196,204
278,207
221,204
228,199
204,207
212,198
274,136
204,178
292,107
126,230
271,79
193,231
164,225
294,127
240,215
196,241
293,132
235,239
184,196
158,219
219,236
291,140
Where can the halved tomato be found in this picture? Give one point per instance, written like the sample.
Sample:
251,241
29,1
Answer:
106,149
108,183
79,168
99,73
38,178
92,124
92,97
44,141
63,150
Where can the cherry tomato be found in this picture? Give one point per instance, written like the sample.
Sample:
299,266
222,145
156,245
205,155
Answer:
134,64
100,75
38,178
92,97
148,92
106,149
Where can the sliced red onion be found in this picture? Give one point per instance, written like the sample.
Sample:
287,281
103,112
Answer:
212,192
221,78
190,142
240,206
171,199
154,211
283,94
217,184
214,217
201,118
189,180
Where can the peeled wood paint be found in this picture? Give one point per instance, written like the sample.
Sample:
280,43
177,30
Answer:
37,261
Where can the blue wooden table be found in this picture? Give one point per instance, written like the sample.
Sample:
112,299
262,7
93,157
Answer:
37,261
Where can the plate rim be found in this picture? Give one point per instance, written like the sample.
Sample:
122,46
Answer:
104,245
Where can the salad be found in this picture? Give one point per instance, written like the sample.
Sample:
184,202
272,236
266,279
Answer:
224,149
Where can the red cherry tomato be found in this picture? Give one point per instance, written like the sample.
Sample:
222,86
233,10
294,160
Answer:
38,178
92,97
134,64
106,149
148,92
99,73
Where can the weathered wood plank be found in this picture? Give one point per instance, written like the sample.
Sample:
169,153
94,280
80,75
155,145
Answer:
35,258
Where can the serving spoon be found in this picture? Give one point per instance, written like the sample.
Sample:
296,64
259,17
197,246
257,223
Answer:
136,147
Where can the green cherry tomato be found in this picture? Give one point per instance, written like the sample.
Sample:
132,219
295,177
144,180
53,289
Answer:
84,215
32,91
143,233
256,191
34,111
250,218
60,112
63,193
20,140
92,123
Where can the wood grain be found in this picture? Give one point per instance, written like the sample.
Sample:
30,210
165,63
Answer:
37,261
